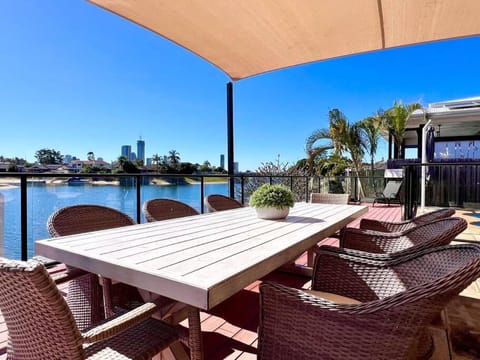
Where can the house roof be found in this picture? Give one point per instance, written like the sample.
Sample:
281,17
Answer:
248,37
457,118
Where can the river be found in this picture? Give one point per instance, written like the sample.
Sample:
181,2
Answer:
45,199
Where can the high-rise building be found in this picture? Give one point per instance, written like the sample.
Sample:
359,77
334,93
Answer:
126,151
141,150
235,167
222,161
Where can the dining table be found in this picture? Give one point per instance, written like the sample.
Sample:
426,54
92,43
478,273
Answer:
204,259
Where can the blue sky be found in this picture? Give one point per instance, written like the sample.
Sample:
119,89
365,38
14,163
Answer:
76,78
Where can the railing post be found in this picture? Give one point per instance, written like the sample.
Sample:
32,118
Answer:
202,194
408,205
242,179
23,217
138,184
306,188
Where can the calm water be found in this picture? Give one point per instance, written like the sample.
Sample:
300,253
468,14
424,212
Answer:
43,200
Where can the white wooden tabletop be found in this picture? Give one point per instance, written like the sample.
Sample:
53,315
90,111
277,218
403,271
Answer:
204,259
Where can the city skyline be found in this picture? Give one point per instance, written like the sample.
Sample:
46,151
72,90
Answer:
76,78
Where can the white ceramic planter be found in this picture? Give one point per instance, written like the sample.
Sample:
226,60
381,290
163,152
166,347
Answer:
272,213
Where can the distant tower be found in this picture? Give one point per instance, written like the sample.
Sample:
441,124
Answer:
126,151
141,150
235,167
222,161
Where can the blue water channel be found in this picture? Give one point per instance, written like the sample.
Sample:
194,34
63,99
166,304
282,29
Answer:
45,199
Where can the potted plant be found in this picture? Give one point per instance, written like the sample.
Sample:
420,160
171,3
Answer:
272,201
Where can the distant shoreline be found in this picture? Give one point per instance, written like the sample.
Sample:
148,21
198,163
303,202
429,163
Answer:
12,183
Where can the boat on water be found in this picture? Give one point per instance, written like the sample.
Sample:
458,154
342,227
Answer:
78,181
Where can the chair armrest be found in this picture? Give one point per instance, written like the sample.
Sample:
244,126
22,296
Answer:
377,225
370,240
119,323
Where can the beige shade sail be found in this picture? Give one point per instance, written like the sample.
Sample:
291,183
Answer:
249,37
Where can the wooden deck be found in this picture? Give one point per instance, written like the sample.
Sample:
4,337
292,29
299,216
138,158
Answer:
230,329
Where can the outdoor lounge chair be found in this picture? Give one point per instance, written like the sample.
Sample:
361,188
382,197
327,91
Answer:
378,225
41,326
163,209
435,233
84,291
391,193
364,309
217,202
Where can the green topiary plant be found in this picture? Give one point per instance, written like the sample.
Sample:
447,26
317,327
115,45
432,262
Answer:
272,196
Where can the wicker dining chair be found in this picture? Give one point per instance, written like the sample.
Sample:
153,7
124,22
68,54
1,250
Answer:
41,326
163,209
217,202
88,301
364,309
329,198
435,233
379,225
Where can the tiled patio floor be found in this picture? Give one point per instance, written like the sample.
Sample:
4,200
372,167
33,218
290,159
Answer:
230,329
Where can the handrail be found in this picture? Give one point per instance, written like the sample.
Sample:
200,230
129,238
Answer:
241,179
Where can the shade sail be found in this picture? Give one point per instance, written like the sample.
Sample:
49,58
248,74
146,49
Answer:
249,37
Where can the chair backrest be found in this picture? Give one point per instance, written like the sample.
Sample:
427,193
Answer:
217,202
163,209
39,322
77,219
392,189
398,300
432,234
410,289
329,198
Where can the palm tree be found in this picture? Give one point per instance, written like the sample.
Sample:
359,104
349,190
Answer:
316,152
344,138
91,156
371,126
156,159
122,160
395,122
173,158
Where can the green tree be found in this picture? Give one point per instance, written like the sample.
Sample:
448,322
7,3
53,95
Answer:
48,156
395,121
343,137
371,126
90,156
156,160
173,158
206,166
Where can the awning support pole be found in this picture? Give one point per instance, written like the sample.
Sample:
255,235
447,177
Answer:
230,153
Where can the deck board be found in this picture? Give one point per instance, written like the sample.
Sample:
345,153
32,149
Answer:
230,328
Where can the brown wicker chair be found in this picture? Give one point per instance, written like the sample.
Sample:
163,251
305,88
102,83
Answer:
386,312
378,225
217,202
163,209
84,291
329,198
41,326
436,233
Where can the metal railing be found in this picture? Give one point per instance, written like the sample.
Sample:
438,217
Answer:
244,185
448,184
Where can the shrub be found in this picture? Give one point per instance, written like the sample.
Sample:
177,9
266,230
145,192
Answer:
276,196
